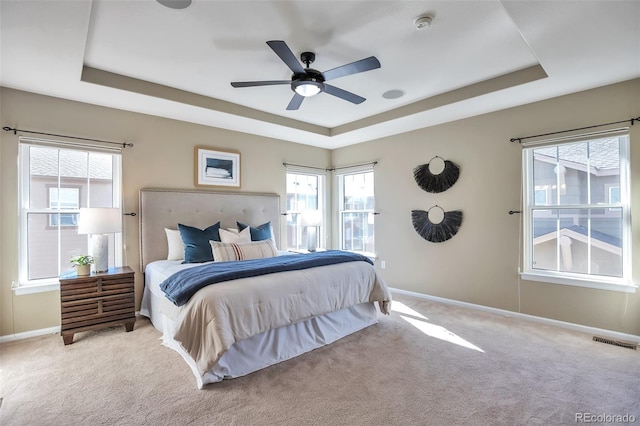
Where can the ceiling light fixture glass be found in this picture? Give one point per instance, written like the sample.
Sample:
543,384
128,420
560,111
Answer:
307,87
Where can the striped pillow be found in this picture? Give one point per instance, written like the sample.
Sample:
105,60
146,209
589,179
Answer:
227,252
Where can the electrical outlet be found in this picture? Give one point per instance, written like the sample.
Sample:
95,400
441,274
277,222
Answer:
383,264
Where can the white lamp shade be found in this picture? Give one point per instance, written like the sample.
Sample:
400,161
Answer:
312,218
103,220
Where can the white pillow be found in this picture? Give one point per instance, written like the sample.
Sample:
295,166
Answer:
227,252
228,236
174,244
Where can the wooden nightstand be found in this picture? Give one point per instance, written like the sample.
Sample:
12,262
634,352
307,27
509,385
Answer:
99,300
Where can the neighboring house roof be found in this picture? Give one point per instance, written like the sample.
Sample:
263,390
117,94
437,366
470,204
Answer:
579,233
71,163
600,155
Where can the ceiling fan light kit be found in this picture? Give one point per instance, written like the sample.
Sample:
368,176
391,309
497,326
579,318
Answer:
311,82
306,82
307,87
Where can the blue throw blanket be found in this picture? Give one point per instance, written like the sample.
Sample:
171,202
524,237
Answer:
183,284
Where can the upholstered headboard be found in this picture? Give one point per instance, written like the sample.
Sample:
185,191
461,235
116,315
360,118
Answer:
165,208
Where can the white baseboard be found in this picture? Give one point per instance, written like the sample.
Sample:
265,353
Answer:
34,333
28,334
548,321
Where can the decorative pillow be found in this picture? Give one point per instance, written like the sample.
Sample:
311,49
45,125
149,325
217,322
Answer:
175,245
259,233
235,236
227,252
196,242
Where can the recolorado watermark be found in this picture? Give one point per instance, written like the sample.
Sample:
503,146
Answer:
604,418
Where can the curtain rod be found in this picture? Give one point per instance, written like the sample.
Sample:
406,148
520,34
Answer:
306,167
373,163
15,131
519,140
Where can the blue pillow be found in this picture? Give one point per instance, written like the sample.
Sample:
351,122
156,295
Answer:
196,242
259,233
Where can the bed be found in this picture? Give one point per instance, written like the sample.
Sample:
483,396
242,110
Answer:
237,327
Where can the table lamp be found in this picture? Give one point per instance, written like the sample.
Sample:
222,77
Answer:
312,219
99,222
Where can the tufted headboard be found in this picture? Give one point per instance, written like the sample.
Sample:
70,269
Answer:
165,208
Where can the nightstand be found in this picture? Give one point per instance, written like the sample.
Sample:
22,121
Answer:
99,300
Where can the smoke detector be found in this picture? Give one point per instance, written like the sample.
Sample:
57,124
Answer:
423,22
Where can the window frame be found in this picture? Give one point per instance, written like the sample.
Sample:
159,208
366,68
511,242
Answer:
321,193
24,284
624,282
340,174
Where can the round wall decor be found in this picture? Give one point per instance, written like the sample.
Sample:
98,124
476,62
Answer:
438,232
439,181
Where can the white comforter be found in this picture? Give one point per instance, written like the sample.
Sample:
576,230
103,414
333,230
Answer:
219,315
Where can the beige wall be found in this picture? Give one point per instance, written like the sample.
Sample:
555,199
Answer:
479,265
163,157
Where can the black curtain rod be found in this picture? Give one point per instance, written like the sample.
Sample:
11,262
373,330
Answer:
306,167
373,163
519,140
15,131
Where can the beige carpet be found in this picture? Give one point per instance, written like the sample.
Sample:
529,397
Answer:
448,366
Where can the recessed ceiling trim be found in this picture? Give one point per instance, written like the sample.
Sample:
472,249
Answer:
121,82
495,84
118,81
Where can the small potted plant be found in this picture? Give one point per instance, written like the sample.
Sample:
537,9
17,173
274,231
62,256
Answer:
82,264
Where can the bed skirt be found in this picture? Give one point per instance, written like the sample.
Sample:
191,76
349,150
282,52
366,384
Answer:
271,347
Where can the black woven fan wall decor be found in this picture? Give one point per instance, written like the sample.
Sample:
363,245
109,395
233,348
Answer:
436,232
440,182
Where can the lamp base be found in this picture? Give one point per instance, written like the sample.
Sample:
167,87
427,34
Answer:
312,238
99,249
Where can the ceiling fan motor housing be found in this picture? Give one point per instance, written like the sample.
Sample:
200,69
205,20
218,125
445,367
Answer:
307,58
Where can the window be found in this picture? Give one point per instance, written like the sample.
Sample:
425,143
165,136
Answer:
305,198
55,181
578,232
64,199
356,204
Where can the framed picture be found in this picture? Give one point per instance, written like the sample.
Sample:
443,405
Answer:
217,168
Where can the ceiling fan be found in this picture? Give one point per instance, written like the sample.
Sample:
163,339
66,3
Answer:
307,82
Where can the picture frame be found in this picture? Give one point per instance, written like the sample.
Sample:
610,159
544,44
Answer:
215,167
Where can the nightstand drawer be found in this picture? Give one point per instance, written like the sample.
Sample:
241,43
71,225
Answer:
96,310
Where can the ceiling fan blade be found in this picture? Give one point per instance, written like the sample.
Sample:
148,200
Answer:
295,102
287,56
362,65
343,94
259,83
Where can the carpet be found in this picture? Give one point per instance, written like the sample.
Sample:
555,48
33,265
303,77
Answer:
427,363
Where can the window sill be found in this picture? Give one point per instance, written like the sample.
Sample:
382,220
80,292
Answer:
597,284
49,285
303,251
